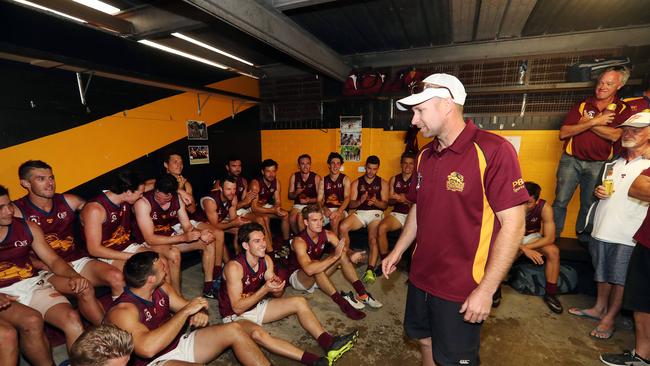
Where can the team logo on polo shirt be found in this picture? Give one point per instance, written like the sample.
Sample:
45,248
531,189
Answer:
517,185
455,182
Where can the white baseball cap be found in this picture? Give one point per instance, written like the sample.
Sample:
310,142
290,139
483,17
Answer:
436,85
639,120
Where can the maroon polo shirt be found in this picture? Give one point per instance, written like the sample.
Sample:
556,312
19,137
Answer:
642,235
637,104
457,192
587,145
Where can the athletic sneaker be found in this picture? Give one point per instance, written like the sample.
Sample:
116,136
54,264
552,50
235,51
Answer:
626,358
349,297
369,277
341,344
370,301
553,303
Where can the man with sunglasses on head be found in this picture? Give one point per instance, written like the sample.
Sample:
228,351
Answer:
468,201
590,138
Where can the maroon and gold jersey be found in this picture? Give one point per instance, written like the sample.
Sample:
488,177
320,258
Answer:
334,191
373,189
163,219
223,204
534,218
153,314
637,104
15,261
402,186
57,225
116,228
314,250
309,186
241,188
251,282
266,194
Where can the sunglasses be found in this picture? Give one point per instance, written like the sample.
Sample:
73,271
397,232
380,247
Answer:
419,88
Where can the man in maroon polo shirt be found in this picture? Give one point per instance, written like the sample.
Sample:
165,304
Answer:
635,296
589,133
468,217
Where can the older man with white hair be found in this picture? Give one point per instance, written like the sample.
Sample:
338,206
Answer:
617,218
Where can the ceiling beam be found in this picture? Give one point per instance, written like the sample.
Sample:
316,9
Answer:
489,19
463,13
90,15
277,30
515,19
234,65
126,77
560,43
283,5
151,22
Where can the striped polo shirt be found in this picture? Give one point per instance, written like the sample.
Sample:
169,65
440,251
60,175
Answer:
457,191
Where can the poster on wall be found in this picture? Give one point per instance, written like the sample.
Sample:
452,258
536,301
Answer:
197,130
199,154
351,137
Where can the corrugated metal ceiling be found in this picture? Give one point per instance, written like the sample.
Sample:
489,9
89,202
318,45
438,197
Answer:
363,26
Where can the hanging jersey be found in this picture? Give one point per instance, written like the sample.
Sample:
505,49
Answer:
334,191
251,282
57,225
15,262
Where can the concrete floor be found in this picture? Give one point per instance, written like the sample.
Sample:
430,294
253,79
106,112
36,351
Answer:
522,331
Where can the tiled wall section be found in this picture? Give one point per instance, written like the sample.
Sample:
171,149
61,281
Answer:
540,151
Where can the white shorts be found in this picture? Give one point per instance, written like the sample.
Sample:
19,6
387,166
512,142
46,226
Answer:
132,248
80,263
297,285
256,315
400,217
298,206
368,216
530,237
178,230
326,220
244,211
36,293
268,205
184,351
77,265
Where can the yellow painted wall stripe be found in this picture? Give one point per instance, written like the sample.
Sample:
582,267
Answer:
487,224
88,151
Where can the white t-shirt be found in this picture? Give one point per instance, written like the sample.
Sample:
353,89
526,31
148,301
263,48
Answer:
618,217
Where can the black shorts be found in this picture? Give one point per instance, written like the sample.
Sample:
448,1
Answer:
636,296
453,341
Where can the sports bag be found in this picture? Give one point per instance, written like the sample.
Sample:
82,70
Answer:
529,279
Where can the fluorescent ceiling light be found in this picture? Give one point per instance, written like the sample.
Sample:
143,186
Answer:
99,5
181,53
213,49
249,75
40,7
